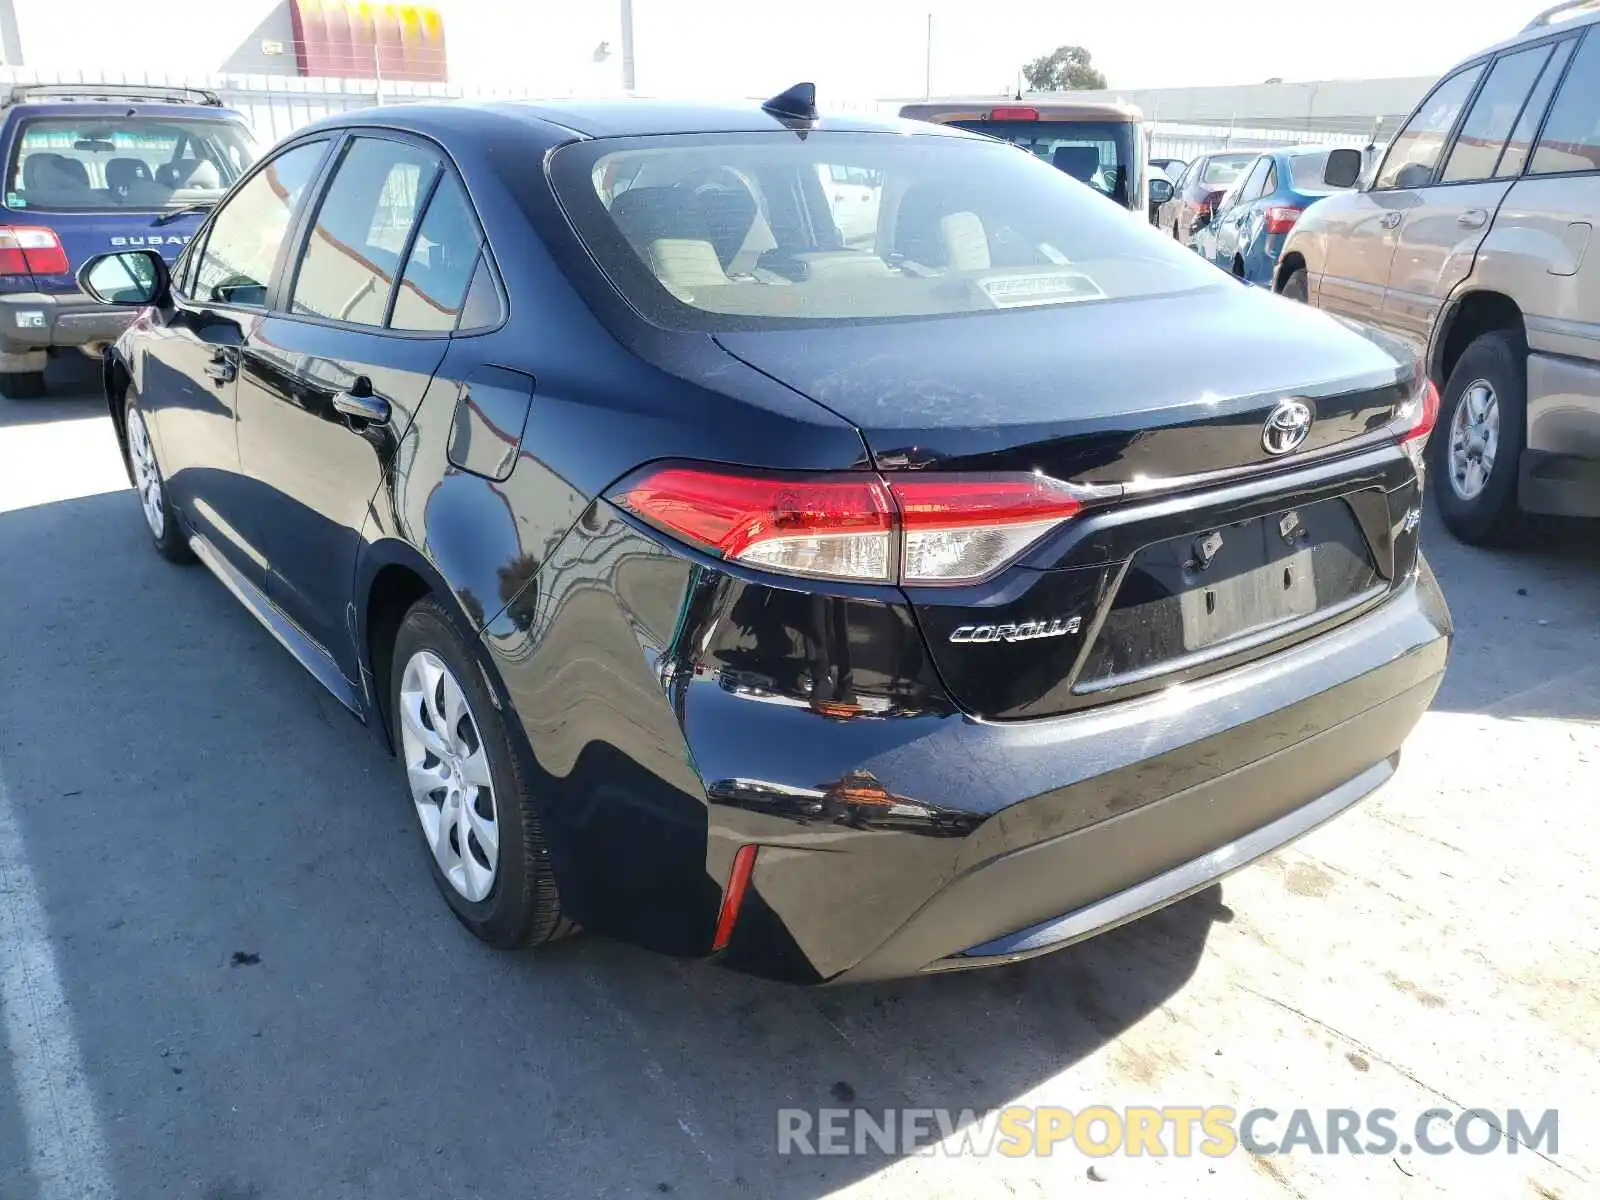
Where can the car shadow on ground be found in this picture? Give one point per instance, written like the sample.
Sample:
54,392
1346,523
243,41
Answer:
271,1000
1527,618
967,1043
72,392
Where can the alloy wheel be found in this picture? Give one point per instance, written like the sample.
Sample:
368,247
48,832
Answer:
448,770
1474,439
145,476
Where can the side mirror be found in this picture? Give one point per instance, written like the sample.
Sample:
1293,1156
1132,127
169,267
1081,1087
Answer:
1343,169
1160,191
127,277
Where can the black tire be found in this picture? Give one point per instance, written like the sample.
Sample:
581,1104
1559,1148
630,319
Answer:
523,907
1296,288
22,385
171,542
1492,516
1175,236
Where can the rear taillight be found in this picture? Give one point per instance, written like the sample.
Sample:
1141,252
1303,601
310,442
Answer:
916,529
1004,113
1281,217
31,249
956,529
835,526
1414,421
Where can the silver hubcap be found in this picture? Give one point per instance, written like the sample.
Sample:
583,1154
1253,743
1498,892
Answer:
1474,440
449,775
145,476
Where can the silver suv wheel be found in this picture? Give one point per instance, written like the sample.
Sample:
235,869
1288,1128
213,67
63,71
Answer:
1474,439
449,775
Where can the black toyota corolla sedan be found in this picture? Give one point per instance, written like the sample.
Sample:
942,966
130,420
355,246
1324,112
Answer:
842,548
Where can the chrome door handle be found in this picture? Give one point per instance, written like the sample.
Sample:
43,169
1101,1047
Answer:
372,409
221,369
1391,219
1473,218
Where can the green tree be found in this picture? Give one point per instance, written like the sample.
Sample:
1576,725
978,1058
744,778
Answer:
1067,68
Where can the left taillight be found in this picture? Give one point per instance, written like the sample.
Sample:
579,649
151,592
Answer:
1281,217
918,529
1414,420
31,250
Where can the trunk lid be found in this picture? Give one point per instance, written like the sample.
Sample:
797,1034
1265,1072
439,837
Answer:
1150,586
1095,393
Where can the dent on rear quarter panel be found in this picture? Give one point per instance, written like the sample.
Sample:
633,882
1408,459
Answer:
580,661
675,711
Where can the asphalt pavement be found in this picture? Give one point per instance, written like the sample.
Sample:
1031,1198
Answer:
225,974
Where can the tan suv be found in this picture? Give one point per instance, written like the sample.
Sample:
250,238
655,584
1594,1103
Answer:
1473,239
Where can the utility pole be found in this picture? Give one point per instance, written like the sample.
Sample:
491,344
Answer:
627,46
927,64
377,73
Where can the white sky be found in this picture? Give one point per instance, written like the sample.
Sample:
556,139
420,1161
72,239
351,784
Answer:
853,49
876,47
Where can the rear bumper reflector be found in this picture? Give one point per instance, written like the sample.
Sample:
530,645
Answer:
744,862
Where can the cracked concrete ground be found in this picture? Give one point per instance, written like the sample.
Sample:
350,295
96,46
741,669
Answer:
267,1000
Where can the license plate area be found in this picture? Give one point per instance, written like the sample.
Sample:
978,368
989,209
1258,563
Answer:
1189,598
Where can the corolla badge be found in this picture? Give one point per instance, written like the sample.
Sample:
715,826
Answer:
1288,425
1025,631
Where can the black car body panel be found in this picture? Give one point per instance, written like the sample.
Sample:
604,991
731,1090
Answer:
1077,391
673,706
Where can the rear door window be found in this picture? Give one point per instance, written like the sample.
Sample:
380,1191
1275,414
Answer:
1571,137
443,257
99,163
1520,144
1414,156
1252,186
353,252
1483,134
248,231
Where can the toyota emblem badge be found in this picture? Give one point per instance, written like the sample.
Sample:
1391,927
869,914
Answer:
1287,426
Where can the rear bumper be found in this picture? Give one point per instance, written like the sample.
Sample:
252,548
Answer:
1113,813
33,322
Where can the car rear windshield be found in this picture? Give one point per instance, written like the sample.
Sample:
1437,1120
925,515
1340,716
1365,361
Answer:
1099,153
103,163
1306,171
1223,170
752,230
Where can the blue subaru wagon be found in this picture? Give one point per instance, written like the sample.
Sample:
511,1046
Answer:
89,169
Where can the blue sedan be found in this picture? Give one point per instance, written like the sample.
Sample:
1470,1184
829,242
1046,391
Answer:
1258,212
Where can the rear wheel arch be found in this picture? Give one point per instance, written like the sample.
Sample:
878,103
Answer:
1287,266
392,578
116,379
1468,318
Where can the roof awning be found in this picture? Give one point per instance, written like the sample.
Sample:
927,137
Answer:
360,40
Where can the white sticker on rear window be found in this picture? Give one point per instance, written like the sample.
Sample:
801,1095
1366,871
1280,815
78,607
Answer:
15,201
